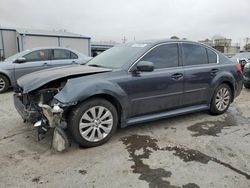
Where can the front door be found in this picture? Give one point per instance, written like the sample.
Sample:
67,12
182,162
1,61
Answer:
35,61
161,89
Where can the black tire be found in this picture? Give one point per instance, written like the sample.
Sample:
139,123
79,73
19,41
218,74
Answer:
76,115
5,82
247,85
213,108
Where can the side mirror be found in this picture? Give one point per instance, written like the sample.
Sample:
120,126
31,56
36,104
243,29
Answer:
145,66
20,60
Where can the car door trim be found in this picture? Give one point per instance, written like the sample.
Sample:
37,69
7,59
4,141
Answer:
180,53
194,90
156,96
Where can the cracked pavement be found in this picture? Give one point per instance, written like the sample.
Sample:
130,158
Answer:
190,151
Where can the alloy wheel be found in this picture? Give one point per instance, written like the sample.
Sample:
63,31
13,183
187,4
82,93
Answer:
222,99
96,123
2,84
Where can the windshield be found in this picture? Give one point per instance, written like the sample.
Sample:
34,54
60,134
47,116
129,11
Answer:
14,57
242,55
115,57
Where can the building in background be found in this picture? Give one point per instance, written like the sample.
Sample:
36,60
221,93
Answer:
223,45
13,41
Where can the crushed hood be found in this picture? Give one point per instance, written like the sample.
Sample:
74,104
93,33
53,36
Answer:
37,79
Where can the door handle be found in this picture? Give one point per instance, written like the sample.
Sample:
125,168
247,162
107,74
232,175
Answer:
214,71
73,62
45,64
177,76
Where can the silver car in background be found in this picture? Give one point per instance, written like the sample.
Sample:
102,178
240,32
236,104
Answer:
34,60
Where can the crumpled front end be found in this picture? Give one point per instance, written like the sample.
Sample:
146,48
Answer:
40,108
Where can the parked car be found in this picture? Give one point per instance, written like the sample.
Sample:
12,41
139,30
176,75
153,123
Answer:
36,59
129,84
242,58
246,75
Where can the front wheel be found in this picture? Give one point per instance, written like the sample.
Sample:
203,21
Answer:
93,122
221,99
4,84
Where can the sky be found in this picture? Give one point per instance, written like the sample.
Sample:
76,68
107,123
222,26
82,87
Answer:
105,20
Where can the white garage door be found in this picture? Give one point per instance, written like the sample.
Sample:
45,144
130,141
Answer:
37,41
10,43
78,44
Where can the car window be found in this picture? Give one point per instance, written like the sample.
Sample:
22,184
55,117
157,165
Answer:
194,54
38,55
73,55
116,57
61,54
212,57
243,55
164,56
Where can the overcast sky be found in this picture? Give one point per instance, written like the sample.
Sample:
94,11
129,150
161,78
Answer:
139,19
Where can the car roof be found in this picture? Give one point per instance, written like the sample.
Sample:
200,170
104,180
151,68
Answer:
50,47
153,42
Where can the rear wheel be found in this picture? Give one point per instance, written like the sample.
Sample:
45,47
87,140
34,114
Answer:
4,84
247,85
93,122
221,99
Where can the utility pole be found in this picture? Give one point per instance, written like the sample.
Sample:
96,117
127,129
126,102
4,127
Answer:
247,40
124,40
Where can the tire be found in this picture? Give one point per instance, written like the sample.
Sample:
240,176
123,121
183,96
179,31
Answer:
101,129
247,85
221,90
4,84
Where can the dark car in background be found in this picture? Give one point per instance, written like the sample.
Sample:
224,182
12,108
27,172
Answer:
34,60
244,59
129,84
246,75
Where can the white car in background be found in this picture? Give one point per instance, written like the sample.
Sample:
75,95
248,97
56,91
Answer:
34,60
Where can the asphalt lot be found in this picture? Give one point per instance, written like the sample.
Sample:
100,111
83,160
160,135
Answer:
195,150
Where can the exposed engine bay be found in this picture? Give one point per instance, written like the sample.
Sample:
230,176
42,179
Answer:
47,113
44,98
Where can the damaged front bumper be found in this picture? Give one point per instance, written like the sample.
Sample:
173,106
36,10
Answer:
26,113
47,118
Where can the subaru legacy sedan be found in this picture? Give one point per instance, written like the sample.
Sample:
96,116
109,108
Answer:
129,84
36,59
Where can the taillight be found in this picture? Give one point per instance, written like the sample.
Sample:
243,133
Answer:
238,68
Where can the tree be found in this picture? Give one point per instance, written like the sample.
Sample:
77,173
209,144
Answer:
174,37
247,47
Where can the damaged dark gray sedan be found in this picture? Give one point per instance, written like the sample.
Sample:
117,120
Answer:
129,84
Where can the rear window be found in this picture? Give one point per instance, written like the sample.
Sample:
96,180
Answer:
194,54
212,56
73,56
61,54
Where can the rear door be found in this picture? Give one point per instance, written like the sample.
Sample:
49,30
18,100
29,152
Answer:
63,57
161,89
35,61
200,67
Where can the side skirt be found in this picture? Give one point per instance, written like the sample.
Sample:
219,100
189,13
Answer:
161,115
